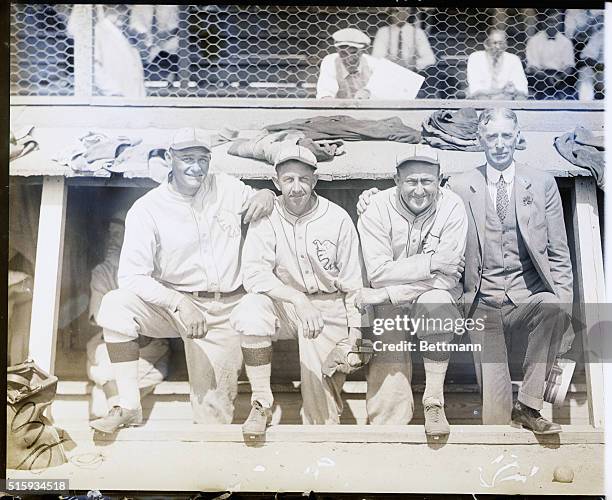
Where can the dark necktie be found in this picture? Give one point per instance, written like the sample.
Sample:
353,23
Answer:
502,200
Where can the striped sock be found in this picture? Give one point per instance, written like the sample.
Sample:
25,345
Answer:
257,353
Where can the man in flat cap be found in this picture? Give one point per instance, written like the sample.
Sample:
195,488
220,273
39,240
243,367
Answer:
179,276
413,238
301,267
345,74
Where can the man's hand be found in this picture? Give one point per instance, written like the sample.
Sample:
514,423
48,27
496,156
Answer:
257,206
193,319
364,200
452,266
371,297
311,320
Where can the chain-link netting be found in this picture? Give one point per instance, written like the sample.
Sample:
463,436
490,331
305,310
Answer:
276,51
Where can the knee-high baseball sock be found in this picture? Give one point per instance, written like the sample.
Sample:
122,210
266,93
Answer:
124,358
257,354
435,372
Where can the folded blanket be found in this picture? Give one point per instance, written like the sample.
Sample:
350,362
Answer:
584,149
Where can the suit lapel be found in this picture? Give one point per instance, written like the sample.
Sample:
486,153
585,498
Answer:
523,201
477,203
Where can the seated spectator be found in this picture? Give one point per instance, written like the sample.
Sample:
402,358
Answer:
494,73
550,61
345,74
403,42
350,73
591,75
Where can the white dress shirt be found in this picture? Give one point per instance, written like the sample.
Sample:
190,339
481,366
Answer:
406,45
483,75
545,53
177,243
493,176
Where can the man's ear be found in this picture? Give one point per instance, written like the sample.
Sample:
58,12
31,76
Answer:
275,181
315,179
396,178
168,157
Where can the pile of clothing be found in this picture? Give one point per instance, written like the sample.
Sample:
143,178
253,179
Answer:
583,148
21,142
350,129
455,130
100,155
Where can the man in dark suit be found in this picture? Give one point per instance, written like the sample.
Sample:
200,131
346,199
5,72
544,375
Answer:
518,275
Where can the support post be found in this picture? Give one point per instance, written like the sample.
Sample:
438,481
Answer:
83,50
48,272
591,287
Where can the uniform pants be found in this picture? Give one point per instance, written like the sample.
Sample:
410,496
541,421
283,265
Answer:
213,362
259,315
389,398
537,322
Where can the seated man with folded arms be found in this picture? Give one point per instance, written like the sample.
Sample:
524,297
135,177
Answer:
413,237
302,269
179,276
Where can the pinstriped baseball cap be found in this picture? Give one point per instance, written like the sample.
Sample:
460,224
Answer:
418,153
190,138
292,151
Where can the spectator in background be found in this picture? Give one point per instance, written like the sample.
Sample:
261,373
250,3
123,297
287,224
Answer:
494,73
403,42
118,68
550,60
345,74
591,75
351,73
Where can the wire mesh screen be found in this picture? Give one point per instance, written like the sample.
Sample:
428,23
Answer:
276,51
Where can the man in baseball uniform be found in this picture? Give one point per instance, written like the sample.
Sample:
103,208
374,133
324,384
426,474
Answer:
179,276
302,269
413,238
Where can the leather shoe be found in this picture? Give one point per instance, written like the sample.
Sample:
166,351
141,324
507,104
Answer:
528,418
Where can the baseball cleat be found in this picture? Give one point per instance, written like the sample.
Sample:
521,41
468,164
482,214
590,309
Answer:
435,421
116,419
254,427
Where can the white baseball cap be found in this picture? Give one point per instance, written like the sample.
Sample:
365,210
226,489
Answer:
420,153
351,37
291,151
190,138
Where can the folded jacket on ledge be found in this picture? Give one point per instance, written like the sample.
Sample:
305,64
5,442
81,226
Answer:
21,142
584,149
455,130
351,129
265,146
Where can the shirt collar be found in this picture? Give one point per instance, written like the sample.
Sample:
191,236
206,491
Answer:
403,209
294,218
493,174
363,64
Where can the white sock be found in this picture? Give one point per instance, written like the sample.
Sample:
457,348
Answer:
435,372
126,377
257,353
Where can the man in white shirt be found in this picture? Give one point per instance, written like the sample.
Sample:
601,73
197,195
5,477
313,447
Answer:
494,73
350,73
403,43
179,276
302,269
550,61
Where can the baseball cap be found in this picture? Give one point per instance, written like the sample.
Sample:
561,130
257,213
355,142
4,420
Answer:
351,37
291,151
420,153
190,138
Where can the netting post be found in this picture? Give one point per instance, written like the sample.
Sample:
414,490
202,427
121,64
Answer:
83,51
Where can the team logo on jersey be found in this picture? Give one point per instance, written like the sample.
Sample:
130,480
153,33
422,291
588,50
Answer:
326,253
229,222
